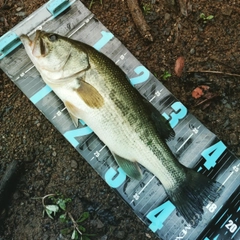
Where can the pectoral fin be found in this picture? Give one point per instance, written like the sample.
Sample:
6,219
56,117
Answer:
74,112
132,169
90,95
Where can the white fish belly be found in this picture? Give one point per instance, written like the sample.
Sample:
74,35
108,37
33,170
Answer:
121,139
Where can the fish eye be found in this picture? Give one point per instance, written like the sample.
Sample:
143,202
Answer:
52,37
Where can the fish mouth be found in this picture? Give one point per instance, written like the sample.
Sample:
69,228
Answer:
25,40
37,45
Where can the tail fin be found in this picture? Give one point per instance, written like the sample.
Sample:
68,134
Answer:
190,196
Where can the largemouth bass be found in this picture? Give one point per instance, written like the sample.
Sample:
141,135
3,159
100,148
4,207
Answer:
97,91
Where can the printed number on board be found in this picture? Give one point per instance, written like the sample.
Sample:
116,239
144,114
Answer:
231,226
213,153
159,215
106,37
143,75
115,178
180,111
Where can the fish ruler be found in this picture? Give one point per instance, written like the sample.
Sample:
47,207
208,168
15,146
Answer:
194,145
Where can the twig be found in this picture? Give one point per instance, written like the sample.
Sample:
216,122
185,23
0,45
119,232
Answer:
139,19
206,100
215,72
74,223
43,198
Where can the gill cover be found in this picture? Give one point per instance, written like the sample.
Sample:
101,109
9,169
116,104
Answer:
58,57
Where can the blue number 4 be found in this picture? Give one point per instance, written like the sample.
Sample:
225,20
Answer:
159,215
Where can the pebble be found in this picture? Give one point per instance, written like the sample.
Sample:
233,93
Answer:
104,237
19,9
167,16
227,11
233,139
97,223
21,14
192,51
167,31
120,234
228,106
226,123
54,154
148,235
74,164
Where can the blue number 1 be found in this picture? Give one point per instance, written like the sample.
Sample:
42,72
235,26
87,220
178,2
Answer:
106,37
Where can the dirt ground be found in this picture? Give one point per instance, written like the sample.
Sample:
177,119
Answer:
51,165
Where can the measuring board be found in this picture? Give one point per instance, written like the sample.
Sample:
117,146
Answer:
194,145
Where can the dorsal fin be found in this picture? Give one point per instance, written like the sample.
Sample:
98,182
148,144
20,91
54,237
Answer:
162,124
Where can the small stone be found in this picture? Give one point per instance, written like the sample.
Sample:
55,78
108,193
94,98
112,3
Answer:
192,51
124,19
97,223
19,9
167,31
104,237
228,106
226,123
233,139
167,16
54,154
227,11
21,14
74,164
120,234
148,235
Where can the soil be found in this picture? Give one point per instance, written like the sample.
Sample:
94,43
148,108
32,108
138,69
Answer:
51,165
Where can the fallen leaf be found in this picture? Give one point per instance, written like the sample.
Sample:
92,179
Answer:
179,65
199,91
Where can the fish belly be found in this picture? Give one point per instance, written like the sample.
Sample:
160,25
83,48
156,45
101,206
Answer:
125,141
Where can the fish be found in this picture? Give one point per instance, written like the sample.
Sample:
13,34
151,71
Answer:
94,89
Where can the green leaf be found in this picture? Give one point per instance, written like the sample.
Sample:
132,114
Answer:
84,237
89,234
74,235
83,217
81,228
62,204
65,231
49,213
210,17
202,15
166,75
63,218
52,208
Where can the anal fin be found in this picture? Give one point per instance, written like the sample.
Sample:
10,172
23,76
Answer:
132,169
